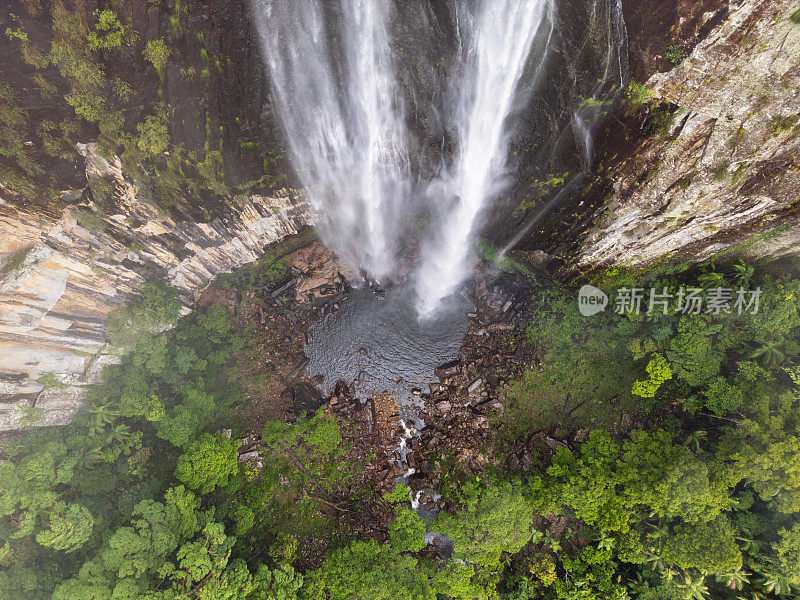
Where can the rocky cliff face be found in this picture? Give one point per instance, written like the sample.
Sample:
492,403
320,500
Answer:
710,162
62,276
177,91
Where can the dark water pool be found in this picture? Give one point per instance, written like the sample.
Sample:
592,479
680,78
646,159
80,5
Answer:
377,343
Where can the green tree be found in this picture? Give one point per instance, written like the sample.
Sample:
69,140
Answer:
765,448
371,571
495,520
208,463
707,547
183,422
69,527
788,554
407,529
693,355
659,371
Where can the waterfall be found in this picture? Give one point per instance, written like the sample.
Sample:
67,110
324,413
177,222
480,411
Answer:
352,103
333,87
495,42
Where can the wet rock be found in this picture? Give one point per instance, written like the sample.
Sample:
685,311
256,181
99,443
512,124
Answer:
283,289
298,370
627,421
448,370
320,274
443,407
249,456
341,389
527,461
304,397
581,436
474,386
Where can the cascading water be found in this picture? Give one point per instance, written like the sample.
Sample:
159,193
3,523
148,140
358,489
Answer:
495,42
593,106
333,86
530,75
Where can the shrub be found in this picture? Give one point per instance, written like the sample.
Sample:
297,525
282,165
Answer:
108,32
675,54
157,53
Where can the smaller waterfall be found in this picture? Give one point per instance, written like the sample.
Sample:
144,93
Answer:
496,39
591,112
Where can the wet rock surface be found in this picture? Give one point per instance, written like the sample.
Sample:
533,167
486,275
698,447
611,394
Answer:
711,163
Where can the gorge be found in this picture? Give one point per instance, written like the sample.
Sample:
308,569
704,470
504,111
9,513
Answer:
290,299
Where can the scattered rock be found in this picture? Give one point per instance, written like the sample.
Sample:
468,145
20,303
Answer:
298,370
447,370
473,387
249,456
581,436
443,407
527,461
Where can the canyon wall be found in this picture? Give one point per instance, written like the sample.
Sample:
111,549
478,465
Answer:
701,159
139,150
62,276
705,160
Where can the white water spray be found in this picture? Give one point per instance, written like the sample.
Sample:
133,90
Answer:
333,86
496,40
334,71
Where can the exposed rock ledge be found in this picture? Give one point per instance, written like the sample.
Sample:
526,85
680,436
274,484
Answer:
729,169
59,281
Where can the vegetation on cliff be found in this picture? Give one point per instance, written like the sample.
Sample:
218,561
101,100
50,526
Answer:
102,74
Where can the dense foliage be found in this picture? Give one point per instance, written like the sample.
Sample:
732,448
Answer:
146,497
